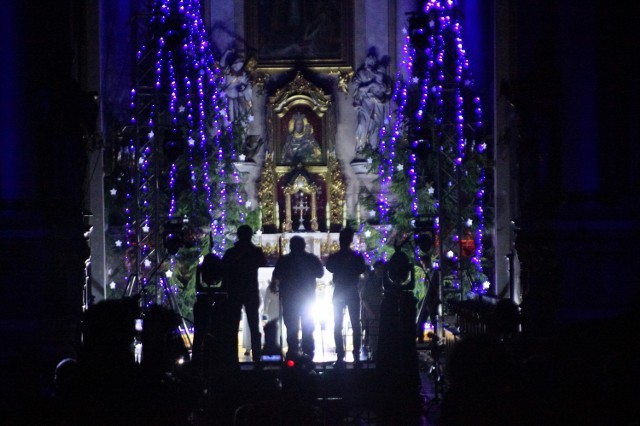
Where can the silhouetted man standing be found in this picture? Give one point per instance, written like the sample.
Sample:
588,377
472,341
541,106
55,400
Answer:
346,266
241,263
295,278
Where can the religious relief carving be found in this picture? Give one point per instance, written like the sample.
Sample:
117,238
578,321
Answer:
304,91
337,191
270,250
344,78
329,246
258,78
236,85
267,194
300,123
373,89
302,188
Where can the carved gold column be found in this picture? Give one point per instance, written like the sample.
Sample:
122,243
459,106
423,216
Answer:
288,223
314,215
267,194
337,191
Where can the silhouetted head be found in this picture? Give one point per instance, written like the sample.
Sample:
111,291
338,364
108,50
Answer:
244,233
297,244
346,237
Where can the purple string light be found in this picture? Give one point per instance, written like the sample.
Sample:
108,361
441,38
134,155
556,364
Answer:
195,106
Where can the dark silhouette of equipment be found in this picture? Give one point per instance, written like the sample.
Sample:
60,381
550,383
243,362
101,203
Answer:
173,239
397,361
173,236
214,348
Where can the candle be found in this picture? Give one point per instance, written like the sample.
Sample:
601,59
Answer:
327,213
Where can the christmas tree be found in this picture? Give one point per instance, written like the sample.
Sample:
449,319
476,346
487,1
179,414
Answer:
431,160
174,193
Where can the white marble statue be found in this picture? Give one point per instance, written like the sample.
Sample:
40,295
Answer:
370,99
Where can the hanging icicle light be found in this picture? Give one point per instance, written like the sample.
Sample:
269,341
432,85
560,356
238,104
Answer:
185,115
443,121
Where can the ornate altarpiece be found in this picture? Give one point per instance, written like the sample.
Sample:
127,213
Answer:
301,189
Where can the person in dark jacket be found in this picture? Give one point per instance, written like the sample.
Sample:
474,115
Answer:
371,294
346,266
240,264
294,276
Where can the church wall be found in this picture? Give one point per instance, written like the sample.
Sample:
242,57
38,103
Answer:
377,24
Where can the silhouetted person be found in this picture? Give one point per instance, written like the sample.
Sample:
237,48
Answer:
241,263
64,372
294,276
346,266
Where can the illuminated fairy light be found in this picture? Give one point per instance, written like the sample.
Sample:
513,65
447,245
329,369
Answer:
236,180
438,5
233,154
477,256
444,32
388,145
220,225
130,184
184,80
208,75
173,170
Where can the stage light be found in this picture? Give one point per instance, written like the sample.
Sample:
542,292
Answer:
290,363
418,26
420,136
422,149
424,241
173,236
173,145
211,269
423,234
173,31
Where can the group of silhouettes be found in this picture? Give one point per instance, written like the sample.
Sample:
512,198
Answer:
499,377
107,384
228,285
